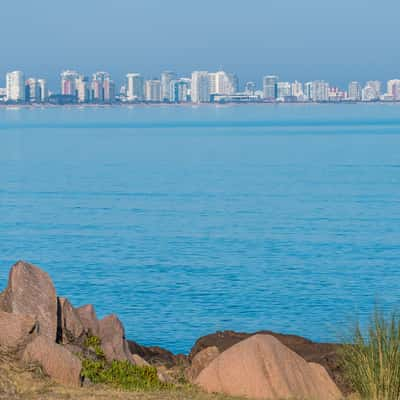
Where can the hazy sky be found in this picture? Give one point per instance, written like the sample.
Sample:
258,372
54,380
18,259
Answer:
337,40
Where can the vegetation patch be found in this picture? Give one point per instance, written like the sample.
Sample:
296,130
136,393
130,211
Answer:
372,361
119,374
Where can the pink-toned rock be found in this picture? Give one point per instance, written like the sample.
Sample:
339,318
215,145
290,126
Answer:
137,360
87,315
261,367
30,291
16,331
113,342
57,361
70,326
200,361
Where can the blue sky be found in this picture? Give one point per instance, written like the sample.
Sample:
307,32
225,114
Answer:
336,40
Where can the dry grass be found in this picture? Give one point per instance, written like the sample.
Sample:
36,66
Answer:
17,383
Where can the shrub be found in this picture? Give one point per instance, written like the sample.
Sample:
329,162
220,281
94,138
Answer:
120,374
94,343
372,361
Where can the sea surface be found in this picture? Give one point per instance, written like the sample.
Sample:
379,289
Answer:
186,220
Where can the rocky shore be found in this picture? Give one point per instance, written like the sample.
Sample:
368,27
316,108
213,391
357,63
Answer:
38,328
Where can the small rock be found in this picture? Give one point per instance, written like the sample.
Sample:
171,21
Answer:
200,361
139,361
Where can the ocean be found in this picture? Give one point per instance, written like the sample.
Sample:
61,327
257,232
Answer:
186,220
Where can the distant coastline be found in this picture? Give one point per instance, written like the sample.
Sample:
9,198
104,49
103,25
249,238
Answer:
186,105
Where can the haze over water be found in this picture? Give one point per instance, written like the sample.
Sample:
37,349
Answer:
186,220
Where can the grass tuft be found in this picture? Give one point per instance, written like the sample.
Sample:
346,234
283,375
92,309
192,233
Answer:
371,362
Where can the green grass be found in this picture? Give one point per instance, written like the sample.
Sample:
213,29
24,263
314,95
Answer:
371,361
118,374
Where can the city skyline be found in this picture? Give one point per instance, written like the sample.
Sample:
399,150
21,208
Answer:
200,86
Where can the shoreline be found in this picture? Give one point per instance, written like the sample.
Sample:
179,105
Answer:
41,106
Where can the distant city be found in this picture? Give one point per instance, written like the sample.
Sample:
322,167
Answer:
200,87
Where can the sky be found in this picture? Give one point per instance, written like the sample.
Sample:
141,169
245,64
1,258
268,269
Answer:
336,40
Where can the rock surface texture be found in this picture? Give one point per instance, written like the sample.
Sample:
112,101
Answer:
70,327
16,331
31,292
261,367
200,361
113,342
56,361
88,317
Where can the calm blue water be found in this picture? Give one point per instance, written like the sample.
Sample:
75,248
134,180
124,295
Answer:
188,220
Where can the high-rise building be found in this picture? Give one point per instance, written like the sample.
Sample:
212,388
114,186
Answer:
44,93
393,89
152,90
297,90
83,92
368,94
250,88
134,87
317,91
200,87
270,87
376,86
166,78
15,86
180,90
32,90
284,89
222,83
354,91
108,91
97,86
371,91
68,83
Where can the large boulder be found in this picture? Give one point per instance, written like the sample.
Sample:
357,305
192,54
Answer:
261,367
200,361
57,361
16,331
70,327
325,354
113,342
88,317
30,291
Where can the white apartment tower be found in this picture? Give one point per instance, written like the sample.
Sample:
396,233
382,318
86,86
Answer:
297,90
15,86
32,93
152,90
393,89
166,78
134,87
222,83
354,91
284,89
44,93
200,87
68,83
